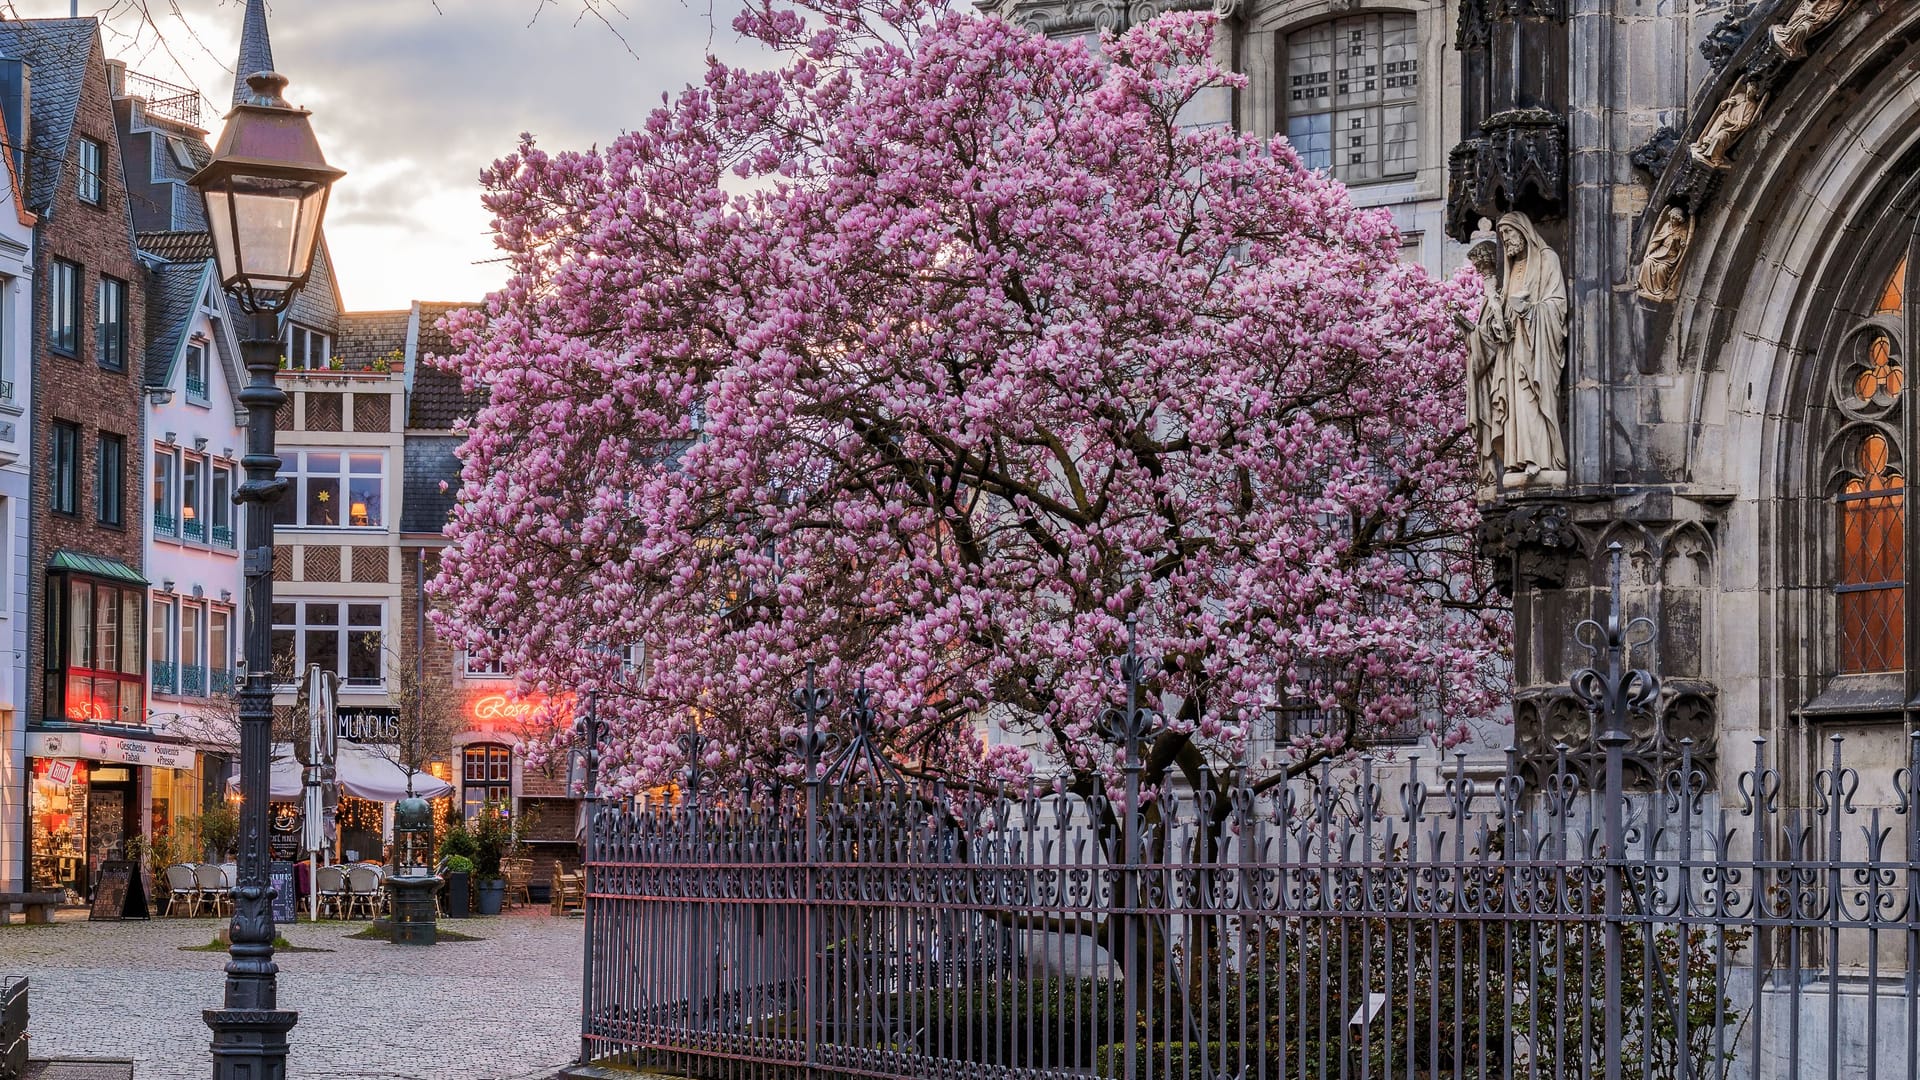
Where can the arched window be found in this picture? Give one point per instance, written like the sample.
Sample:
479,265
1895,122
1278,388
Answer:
1869,485
1351,96
486,775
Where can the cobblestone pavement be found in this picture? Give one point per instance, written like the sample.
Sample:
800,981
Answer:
504,1007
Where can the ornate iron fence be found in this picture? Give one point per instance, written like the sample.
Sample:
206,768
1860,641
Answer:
1394,920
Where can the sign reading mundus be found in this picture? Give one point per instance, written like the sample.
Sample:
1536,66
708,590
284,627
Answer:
369,725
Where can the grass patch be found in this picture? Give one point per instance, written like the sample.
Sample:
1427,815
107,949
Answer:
280,944
385,933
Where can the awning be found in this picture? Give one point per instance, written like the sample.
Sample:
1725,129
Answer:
95,566
363,771
80,744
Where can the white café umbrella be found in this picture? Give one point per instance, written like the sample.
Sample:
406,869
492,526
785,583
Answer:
366,772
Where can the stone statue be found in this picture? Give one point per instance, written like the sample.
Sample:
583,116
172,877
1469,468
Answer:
1486,391
1743,105
1522,341
1809,17
1666,254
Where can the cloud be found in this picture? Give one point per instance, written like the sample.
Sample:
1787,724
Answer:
413,98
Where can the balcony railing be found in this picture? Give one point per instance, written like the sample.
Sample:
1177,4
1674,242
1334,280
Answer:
196,387
194,530
193,680
220,680
164,523
165,679
223,535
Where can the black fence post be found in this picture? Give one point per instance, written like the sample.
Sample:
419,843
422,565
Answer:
1611,692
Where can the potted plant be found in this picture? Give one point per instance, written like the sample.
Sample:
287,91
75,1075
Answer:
457,849
495,837
219,829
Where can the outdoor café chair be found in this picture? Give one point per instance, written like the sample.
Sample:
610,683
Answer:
182,889
519,875
213,887
363,890
330,885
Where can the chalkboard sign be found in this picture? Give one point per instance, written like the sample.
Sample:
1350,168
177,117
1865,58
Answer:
286,899
117,892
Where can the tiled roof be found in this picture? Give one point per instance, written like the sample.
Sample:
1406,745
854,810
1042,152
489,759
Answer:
181,246
58,50
367,336
173,290
429,460
434,397
317,304
256,51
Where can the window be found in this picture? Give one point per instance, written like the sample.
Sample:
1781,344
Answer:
1352,96
65,479
166,660
93,164
112,327
1870,492
219,651
95,639
220,507
197,373
341,636
486,776
333,488
109,472
166,517
479,667
182,154
193,662
307,349
193,491
63,318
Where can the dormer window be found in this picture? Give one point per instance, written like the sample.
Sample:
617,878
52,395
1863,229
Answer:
307,349
93,165
197,372
182,156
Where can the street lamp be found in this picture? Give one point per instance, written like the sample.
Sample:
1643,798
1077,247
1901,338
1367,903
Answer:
265,192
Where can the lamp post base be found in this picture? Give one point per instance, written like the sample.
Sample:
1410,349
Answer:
250,1044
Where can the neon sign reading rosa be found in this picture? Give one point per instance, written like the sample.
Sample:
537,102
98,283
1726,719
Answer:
504,708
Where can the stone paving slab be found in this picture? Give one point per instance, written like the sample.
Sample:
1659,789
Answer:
79,1070
504,1008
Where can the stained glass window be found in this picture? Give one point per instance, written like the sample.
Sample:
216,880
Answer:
1872,563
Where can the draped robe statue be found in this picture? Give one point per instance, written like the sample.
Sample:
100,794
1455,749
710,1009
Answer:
1519,352
1486,397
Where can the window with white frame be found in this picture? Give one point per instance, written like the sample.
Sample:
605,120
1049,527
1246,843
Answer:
193,640
93,165
6,554
193,497
220,515
196,364
481,667
6,339
166,491
1352,96
486,778
63,316
308,349
333,488
219,650
162,651
342,636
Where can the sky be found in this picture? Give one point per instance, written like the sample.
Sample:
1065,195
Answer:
413,97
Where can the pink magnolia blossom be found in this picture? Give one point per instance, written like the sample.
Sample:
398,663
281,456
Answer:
933,356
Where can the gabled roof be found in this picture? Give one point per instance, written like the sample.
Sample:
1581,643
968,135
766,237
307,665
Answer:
58,50
434,397
173,295
256,51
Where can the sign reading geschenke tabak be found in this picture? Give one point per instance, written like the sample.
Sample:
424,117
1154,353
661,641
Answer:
369,725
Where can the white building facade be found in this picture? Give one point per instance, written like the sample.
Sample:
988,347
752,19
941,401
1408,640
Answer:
16,457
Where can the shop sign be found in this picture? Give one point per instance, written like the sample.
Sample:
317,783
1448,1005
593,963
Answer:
490,711
74,744
371,725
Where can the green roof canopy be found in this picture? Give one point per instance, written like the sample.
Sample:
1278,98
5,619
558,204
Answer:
95,566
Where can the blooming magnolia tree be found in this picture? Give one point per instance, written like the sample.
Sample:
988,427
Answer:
934,356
